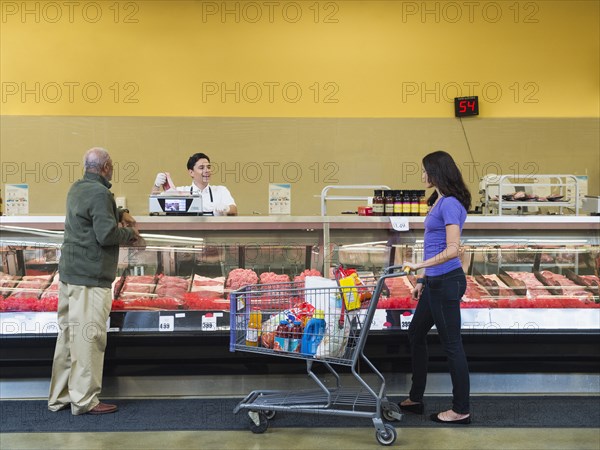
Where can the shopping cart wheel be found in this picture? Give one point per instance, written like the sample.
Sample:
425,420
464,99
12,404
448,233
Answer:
269,414
390,411
387,437
258,421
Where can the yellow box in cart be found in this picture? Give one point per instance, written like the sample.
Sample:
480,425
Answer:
350,292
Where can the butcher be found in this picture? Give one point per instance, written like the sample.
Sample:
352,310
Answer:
216,200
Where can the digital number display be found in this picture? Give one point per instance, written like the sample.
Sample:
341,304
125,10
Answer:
466,106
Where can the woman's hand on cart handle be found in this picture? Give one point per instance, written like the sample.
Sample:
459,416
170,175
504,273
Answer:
410,267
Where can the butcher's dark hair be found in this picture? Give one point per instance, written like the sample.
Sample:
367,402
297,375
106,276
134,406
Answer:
444,174
194,159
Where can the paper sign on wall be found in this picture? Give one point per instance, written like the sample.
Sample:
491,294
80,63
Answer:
17,199
280,198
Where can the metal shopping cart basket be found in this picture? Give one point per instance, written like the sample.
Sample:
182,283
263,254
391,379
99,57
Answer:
341,342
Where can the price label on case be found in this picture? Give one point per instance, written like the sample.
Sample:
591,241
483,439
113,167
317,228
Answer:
209,322
405,320
400,223
166,323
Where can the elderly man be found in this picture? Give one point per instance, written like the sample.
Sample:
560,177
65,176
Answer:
87,268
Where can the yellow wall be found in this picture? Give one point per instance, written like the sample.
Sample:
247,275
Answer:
145,79
299,59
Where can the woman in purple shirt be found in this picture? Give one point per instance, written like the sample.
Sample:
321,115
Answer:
441,288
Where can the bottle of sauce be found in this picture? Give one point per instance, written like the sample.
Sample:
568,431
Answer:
296,337
378,205
423,208
398,203
281,337
406,203
414,203
254,328
388,201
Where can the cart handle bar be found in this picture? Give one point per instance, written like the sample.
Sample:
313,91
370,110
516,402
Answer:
405,270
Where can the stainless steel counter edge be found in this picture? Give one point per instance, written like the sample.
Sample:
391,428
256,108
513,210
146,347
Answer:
153,223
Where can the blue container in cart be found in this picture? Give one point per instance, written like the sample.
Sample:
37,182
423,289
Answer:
313,333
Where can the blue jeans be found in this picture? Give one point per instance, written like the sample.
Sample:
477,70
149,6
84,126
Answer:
440,306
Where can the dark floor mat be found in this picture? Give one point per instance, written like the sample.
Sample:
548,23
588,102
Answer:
217,414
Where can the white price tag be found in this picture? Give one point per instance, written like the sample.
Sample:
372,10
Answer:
166,323
405,319
399,223
209,322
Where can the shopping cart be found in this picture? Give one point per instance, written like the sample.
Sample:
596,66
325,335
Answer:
341,343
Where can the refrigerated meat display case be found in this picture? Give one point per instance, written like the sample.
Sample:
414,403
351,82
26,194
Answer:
532,301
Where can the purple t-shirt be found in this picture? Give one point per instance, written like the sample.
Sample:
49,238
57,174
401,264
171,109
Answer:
447,211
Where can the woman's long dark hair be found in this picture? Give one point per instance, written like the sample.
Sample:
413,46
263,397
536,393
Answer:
446,177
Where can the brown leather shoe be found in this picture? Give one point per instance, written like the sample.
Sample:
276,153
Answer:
103,408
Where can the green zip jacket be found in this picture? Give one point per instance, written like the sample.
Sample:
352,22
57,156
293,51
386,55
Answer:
90,250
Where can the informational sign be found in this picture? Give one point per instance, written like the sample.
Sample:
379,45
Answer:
209,322
400,223
166,323
280,198
17,199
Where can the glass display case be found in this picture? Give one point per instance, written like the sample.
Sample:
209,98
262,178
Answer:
541,276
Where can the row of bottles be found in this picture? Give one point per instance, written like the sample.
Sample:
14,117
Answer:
400,203
290,336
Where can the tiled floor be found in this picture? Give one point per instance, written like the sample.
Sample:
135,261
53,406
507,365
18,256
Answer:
464,438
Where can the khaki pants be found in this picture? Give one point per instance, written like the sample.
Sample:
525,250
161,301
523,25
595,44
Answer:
79,354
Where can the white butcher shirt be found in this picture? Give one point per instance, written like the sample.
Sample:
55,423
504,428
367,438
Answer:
220,196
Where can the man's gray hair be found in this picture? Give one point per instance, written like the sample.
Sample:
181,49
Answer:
94,159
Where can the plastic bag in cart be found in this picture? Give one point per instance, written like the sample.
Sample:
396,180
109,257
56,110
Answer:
323,294
335,340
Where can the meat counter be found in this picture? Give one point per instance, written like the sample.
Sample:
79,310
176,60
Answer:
532,278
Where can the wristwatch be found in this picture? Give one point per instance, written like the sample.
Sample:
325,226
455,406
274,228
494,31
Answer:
421,280
124,210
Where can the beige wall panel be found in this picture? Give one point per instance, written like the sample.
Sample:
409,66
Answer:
248,153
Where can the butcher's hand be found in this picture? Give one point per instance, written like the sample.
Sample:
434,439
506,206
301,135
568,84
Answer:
127,220
161,178
221,210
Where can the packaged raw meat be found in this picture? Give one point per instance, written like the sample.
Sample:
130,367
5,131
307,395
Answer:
173,287
535,288
136,286
208,287
241,277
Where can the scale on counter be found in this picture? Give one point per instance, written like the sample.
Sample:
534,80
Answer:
166,204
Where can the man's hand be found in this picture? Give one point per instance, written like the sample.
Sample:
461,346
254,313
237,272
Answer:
127,220
136,234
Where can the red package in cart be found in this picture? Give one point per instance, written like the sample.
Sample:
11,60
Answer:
303,312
